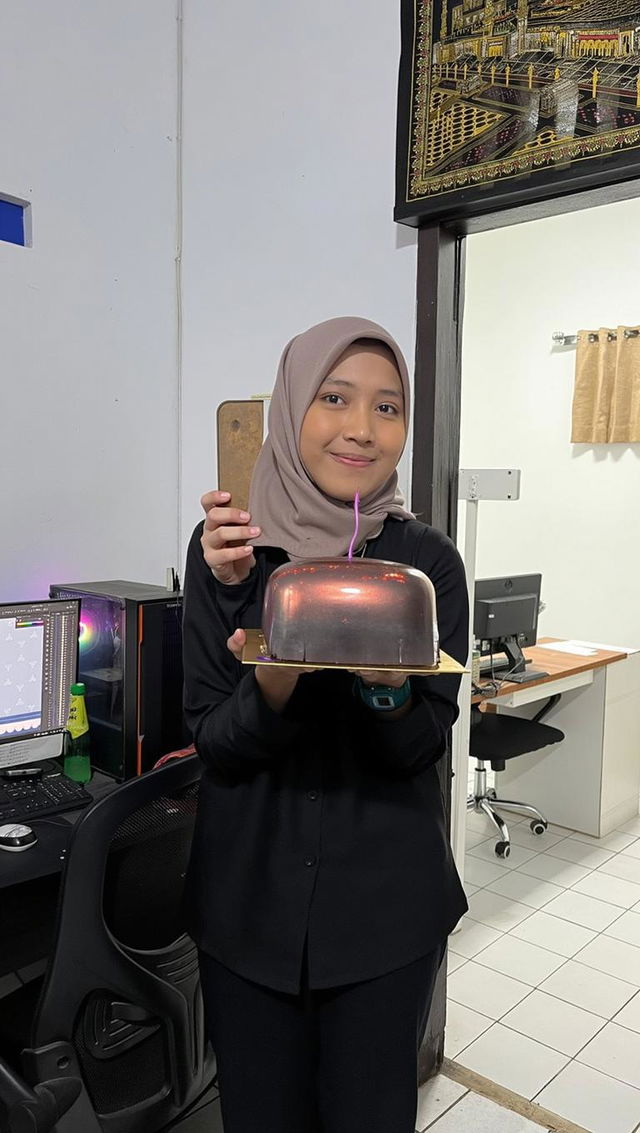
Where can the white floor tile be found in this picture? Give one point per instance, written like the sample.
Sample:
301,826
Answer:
585,987
553,933
624,866
610,955
496,911
479,823
475,837
627,927
471,937
559,872
615,1051
592,1100
631,827
463,1026
633,849
470,889
520,959
607,888
518,855
630,1014
551,1021
616,841
528,890
482,1116
479,872
572,850
454,961
435,1098
512,1060
522,835
583,910
484,990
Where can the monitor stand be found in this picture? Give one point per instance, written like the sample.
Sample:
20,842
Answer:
516,669
524,678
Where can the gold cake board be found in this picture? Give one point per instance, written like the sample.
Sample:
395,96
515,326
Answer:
255,653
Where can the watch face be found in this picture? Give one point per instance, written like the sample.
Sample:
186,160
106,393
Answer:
384,702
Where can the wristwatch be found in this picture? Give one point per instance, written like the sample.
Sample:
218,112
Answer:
383,698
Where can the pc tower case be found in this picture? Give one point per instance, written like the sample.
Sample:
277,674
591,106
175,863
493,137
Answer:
130,661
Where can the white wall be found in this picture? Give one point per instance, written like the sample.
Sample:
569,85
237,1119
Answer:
88,424
288,184
577,519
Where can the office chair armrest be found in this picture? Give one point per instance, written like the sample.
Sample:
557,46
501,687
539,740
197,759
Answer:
37,1110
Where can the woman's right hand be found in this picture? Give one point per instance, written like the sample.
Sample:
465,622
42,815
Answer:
224,539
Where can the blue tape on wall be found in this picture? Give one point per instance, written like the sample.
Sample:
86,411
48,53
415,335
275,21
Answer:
12,222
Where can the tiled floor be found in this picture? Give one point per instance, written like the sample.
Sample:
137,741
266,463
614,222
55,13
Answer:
544,973
447,1107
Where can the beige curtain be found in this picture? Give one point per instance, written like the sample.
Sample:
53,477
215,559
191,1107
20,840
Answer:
606,399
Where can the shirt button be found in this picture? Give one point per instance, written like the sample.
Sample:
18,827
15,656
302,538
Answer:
310,861
312,795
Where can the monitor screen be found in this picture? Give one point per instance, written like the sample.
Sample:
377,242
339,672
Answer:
505,616
38,662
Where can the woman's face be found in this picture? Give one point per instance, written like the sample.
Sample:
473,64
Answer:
353,432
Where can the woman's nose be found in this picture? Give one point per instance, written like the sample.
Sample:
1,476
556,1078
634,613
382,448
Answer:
358,425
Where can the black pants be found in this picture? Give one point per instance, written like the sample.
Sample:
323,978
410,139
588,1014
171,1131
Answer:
342,1060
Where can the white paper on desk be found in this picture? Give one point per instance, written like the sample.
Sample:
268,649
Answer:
579,649
610,648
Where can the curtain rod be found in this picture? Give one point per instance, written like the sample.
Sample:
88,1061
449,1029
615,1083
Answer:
559,338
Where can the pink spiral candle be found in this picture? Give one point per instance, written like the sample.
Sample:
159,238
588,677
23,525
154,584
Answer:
356,503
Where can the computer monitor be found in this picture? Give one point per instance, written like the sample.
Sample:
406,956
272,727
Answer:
38,663
505,618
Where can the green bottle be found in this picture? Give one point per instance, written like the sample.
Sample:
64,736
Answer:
77,752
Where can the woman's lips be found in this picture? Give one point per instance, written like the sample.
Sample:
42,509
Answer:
352,461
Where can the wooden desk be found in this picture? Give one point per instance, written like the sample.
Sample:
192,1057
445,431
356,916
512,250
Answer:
591,781
561,667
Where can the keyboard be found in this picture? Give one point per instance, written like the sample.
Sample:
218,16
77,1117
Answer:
22,800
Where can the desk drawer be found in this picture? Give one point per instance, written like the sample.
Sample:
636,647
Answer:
542,690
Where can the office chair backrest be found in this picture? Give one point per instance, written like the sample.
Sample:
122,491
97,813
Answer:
121,1006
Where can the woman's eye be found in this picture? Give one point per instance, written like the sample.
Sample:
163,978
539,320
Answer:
389,410
331,398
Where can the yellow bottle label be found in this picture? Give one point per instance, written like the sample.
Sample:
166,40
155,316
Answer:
77,723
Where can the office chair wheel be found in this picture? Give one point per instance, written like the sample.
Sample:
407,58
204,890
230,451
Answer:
538,826
491,794
503,849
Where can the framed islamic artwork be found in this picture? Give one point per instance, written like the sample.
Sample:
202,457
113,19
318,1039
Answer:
507,102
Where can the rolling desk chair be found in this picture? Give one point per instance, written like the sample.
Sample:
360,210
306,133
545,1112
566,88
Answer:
494,738
114,1036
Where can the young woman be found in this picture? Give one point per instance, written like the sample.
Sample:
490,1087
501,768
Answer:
321,887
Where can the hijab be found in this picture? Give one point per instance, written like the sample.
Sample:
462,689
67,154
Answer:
292,511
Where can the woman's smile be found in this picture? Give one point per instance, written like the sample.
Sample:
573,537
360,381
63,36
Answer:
352,460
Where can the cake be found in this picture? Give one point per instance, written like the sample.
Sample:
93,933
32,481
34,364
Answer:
367,613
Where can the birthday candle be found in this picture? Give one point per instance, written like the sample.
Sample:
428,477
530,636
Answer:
356,503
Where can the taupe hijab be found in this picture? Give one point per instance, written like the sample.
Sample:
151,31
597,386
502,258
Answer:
293,513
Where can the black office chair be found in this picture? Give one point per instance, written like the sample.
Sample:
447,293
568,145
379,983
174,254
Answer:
114,1036
494,738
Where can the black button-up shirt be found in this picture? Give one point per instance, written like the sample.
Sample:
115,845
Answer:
326,820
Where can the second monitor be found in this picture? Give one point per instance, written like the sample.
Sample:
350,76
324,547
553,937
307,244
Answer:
505,618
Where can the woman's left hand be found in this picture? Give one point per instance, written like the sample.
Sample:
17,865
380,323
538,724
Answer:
381,677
